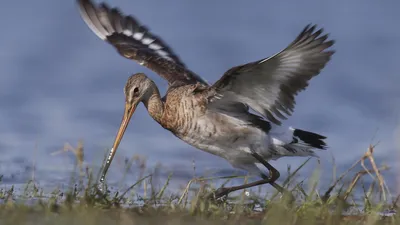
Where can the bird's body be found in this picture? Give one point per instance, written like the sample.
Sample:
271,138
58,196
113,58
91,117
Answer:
187,117
216,118
184,112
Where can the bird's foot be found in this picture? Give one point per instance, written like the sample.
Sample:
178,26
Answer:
221,192
219,195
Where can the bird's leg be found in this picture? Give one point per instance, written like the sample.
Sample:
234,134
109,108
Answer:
273,176
226,190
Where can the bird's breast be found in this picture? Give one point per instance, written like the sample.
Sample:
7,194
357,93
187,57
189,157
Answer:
182,109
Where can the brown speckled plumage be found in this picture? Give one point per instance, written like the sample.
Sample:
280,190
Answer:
216,118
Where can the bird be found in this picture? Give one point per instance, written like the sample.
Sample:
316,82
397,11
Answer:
217,118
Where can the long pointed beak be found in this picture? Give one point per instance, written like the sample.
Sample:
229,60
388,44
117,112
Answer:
129,110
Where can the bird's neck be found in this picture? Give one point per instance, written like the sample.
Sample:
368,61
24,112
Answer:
153,103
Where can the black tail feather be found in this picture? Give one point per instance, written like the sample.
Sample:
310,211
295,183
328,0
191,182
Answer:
312,139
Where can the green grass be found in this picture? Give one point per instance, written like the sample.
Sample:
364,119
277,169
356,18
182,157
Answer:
83,203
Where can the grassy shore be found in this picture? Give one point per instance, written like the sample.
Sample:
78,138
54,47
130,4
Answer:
85,204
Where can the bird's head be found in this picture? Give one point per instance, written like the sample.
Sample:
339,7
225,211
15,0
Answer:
137,89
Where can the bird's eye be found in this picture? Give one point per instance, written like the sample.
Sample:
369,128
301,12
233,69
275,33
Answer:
136,90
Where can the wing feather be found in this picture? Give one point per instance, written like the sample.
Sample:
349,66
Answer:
269,86
134,41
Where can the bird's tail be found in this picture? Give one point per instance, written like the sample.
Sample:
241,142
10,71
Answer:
309,138
297,142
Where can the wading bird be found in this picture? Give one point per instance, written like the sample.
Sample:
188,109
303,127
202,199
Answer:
216,118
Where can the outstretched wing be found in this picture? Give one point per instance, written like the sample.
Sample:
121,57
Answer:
134,41
269,86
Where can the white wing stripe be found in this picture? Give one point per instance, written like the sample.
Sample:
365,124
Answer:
138,36
155,46
127,33
147,41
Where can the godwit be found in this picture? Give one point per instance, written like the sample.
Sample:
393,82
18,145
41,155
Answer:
216,118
